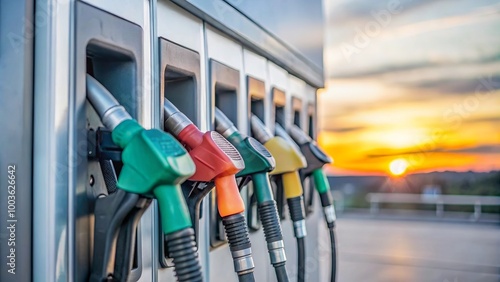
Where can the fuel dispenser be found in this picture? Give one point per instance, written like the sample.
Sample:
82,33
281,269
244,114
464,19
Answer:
116,201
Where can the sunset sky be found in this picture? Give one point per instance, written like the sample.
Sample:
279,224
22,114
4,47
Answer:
414,80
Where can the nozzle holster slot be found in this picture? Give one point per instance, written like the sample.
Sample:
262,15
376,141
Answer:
111,50
297,111
224,91
256,97
180,84
279,102
179,79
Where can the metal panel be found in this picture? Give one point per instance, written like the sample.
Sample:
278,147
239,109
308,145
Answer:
255,65
61,217
131,10
53,158
179,80
16,93
179,26
230,53
187,32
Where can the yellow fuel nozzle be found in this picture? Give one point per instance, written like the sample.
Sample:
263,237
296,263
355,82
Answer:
288,158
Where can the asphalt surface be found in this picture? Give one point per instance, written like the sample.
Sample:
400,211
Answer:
378,250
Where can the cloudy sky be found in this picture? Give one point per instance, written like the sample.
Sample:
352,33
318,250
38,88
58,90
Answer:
417,80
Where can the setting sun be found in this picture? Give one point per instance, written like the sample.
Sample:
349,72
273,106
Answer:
398,167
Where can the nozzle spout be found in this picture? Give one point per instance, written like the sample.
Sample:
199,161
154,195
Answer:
260,131
107,107
175,120
223,124
299,136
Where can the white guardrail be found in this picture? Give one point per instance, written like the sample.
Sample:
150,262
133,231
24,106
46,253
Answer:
439,200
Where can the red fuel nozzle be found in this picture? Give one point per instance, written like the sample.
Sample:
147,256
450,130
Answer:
215,159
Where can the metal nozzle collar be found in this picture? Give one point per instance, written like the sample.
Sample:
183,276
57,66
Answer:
329,212
223,124
276,252
175,120
105,104
260,131
114,116
299,228
298,135
243,261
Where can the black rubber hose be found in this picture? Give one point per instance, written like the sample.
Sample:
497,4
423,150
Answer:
239,243
296,208
268,213
301,252
297,214
327,203
281,273
333,246
247,277
181,247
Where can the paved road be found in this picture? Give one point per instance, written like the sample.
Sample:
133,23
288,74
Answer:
377,250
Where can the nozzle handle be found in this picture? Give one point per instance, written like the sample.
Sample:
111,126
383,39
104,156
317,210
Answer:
107,107
229,201
260,131
320,181
262,187
292,184
173,208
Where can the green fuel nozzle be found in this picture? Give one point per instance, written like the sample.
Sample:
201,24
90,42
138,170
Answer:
316,159
257,158
258,163
154,165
